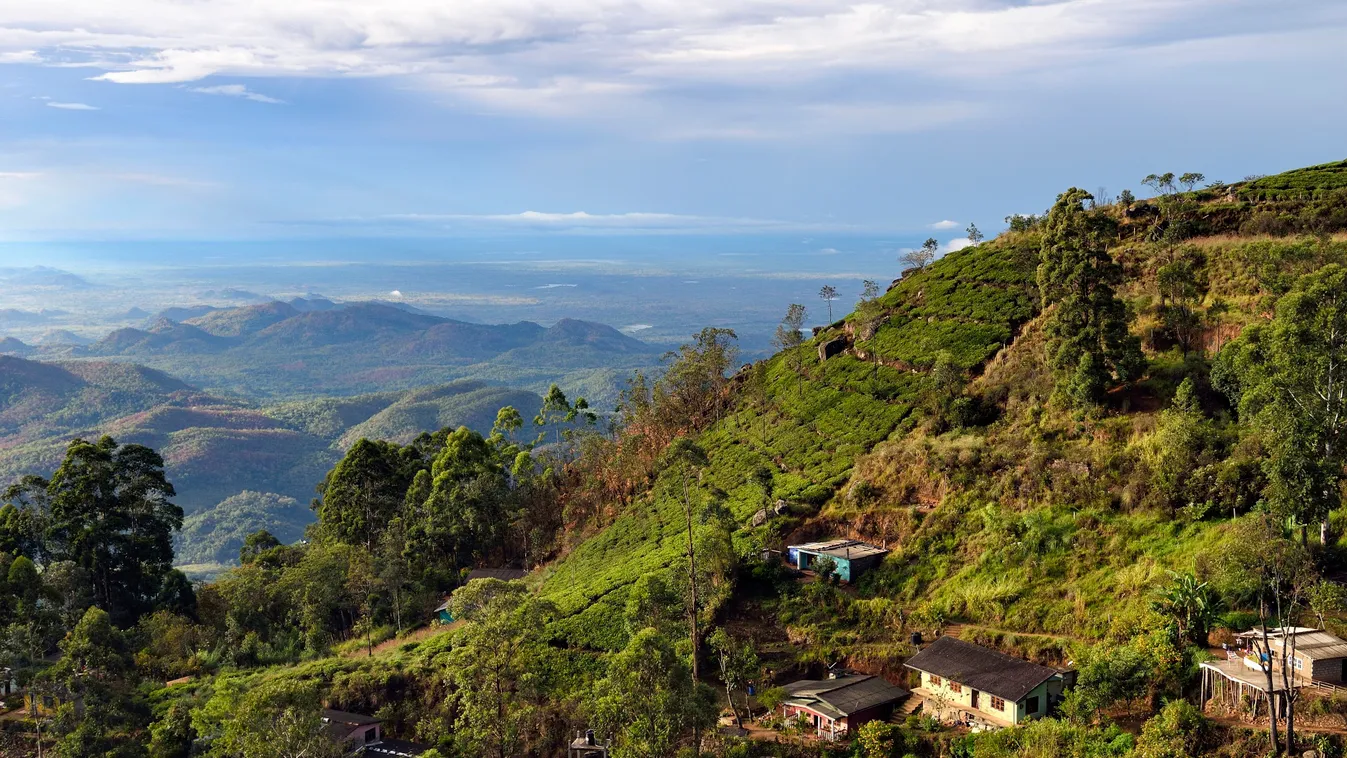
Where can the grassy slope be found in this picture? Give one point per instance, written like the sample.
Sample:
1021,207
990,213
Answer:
1030,525
808,428
213,447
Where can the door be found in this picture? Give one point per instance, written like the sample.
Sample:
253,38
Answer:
975,698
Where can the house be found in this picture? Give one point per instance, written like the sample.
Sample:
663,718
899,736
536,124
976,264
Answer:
834,707
357,729
442,613
1240,682
45,700
851,558
1316,655
985,689
364,736
585,746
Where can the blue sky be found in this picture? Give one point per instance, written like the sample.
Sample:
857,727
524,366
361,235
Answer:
232,119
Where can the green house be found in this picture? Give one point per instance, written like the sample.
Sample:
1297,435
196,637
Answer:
442,613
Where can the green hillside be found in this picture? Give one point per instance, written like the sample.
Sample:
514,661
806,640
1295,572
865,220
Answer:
1095,442
216,448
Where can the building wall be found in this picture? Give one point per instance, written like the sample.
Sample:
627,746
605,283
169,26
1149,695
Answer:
1014,712
861,718
825,726
1327,670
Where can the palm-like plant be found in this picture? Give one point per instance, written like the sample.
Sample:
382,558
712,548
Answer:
1193,605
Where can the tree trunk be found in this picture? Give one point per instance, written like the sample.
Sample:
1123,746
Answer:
692,617
1323,532
1271,686
729,695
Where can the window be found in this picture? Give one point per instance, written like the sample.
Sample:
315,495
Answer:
370,734
1031,705
955,687
935,680
998,704
1297,664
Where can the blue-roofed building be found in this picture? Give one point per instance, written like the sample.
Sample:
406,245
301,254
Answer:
850,558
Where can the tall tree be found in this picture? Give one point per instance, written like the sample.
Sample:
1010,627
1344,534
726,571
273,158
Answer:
647,700
1192,179
365,490
1089,347
109,513
739,667
694,391
499,667
828,294
96,672
790,335
1289,378
1259,566
975,234
688,458
279,718
1182,284
1163,184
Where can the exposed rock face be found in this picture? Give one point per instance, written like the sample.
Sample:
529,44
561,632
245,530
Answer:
831,348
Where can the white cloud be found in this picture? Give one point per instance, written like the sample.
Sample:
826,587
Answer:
237,90
72,106
769,66
17,175
946,224
636,220
955,244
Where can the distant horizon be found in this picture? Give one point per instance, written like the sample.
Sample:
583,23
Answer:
141,121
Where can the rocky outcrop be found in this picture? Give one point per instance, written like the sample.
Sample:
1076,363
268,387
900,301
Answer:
832,347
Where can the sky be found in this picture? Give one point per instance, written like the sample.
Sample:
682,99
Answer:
223,120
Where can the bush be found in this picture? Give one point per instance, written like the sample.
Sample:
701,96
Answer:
1179,730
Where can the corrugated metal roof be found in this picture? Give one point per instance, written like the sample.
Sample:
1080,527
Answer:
844,695
842,548
1316,644
981,668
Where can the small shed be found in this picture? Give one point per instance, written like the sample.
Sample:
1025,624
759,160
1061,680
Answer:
851,558
356,729
1316,654
442,613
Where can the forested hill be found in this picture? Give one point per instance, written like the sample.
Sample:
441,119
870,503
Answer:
1087,440
307,348
216,448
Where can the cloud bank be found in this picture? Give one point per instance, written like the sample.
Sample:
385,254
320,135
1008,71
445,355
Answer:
710,63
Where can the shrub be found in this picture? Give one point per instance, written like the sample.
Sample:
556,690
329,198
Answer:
1179,730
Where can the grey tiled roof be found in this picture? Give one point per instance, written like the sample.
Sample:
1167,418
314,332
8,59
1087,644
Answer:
845,695
980,668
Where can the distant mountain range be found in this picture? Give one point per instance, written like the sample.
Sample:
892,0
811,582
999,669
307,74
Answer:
310,347
217,448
